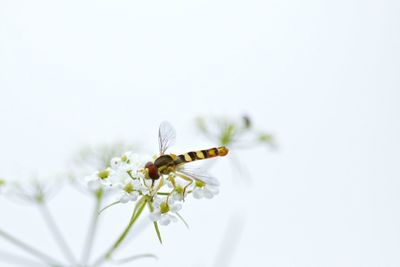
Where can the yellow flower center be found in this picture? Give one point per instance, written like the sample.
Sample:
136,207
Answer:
179,189
164,208
129,188
200,183
124,158
103,174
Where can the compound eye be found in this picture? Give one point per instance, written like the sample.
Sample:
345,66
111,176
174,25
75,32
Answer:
148,164
152,170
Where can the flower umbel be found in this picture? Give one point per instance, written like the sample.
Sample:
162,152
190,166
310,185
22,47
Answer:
126,179
233,132
160,185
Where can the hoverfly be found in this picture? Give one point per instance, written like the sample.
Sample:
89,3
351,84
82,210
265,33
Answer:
166,164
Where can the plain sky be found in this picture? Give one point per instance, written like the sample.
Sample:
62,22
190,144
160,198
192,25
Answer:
323,76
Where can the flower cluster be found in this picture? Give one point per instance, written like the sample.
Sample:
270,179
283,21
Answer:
126,180
233,132
30,190
123,176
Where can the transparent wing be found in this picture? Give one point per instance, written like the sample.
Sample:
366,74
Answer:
197,174
166,136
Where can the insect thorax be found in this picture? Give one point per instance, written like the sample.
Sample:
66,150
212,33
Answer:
165,163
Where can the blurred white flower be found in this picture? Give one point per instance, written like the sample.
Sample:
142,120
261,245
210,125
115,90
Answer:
33,190
165,210
116,163
99,180
235,132
202,190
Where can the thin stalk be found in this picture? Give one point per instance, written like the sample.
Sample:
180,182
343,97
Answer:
18,260
92,229
230,241
58,237
29,249
135,215
151,208
108,206
135,257
182,219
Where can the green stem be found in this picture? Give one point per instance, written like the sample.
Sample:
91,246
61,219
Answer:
151,208
58,237
27,248
163,193
108,206
135,215
92,229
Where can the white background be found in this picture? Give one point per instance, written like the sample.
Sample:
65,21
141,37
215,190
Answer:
322,75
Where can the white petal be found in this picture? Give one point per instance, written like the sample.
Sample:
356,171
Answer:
124,198
169,184
175,207
157,202
147,182
144,190
207,194
171,201
155,216
213,189
136,183
165,219
94,185
139,174
173,218
134,196
119,186
177,196
197,193
115,162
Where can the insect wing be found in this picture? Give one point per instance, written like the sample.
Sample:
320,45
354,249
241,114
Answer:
197,174
166,137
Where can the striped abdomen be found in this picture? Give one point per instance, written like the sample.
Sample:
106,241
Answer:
202,154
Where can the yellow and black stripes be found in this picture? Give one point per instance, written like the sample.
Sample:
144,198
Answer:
202,154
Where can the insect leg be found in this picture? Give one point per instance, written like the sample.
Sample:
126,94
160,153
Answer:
188,179
172,180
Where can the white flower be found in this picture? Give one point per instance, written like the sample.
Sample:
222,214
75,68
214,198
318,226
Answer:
164,211
122,179
100,180
129,165
94,183
130,190
179,193
116,162
202,190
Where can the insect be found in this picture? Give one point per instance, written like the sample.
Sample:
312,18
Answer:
166,164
